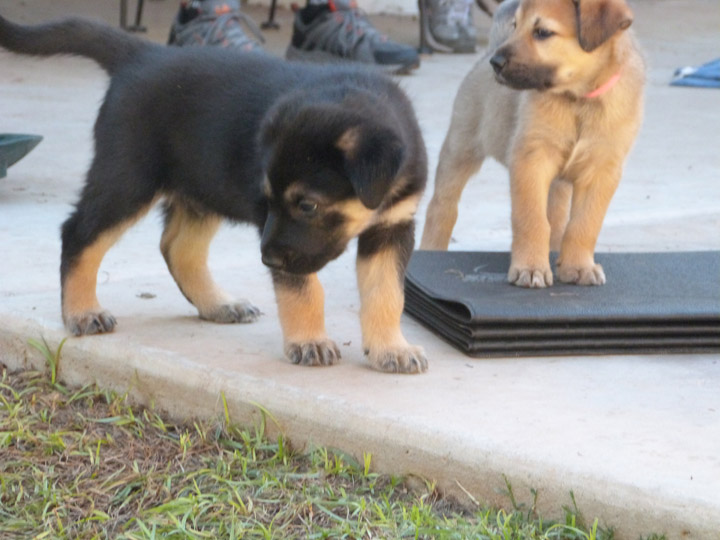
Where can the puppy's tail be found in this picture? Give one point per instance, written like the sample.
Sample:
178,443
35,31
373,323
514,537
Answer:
110,47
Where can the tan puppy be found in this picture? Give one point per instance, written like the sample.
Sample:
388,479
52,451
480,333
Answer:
558,100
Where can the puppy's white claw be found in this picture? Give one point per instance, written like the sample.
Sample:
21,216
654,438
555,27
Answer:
91,322
313,353
590,275
399,360
530,278
239,312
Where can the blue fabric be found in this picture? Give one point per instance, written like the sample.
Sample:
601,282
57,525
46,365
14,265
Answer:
705,76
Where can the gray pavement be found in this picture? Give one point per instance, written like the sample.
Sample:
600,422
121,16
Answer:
635,438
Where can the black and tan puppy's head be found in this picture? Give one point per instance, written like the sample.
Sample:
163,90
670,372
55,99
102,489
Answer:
558,45
328,170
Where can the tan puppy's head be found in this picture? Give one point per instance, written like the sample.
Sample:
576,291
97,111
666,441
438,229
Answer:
558,45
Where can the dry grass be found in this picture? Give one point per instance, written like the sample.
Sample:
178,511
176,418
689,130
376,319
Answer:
85,464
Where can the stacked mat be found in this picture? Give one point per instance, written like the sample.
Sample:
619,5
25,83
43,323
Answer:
651,303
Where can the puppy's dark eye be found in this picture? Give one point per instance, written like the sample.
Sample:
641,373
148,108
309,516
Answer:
541,34
307,206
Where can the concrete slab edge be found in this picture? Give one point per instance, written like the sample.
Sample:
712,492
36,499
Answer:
185,389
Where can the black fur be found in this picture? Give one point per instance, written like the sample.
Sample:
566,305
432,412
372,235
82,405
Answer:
112,48
206,126
381,237
400,237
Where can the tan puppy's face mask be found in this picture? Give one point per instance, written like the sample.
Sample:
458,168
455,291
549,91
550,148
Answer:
558,43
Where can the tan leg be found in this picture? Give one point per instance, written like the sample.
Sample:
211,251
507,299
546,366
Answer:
591,198
558,211
453,172
82,313
301,308
531,173
380,281
185,245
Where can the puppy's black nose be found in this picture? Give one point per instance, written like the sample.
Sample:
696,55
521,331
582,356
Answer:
273,260
498,62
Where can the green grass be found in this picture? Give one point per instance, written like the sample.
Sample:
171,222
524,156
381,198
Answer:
83,463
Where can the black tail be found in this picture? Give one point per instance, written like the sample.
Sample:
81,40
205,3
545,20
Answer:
110,47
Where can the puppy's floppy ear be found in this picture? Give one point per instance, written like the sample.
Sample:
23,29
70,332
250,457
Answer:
373,155
598,20
271,129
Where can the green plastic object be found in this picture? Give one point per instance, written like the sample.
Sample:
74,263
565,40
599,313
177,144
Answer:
13,147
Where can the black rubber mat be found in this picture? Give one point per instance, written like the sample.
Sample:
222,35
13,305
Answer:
651,303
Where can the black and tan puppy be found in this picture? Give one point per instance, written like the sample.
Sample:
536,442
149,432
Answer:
559,101
313,156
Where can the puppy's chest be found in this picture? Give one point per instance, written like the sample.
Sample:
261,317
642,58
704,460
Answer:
591,144
579,152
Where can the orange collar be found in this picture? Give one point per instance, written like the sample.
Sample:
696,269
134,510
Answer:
600,90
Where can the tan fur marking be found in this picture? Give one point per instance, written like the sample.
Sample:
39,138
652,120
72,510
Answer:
186,245
79,287
348,141
267,188
400,211
382,300
302,312
360,218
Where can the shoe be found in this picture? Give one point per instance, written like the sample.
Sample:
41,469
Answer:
447,25
214,22
338,31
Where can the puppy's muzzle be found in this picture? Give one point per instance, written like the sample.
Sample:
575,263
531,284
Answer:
273,260
519,75
272,256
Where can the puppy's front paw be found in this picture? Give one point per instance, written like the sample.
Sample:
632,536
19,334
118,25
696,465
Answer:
581,275
238,312
90,322
313,353
533,278
406,359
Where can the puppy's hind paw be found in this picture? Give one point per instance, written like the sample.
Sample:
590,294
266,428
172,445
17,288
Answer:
238,312
580,275
90,322
313,353
406,359
532,278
